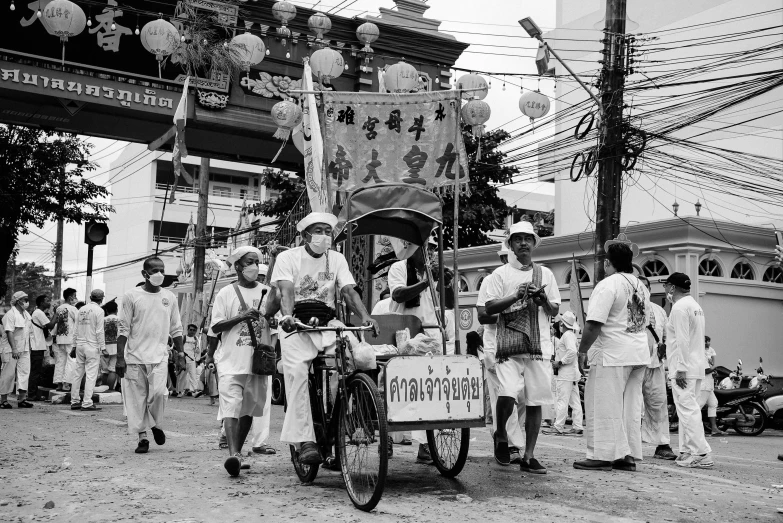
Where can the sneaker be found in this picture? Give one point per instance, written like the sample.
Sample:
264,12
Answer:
76,406
665,452
697,462
309,454
593,464
683,456
143,446
159,435
627,464
90,408
513,453
532,466
264,449
551,430
502,454
24,405
576,432
406,441
424,457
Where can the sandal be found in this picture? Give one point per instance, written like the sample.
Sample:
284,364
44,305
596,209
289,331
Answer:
6,405
25,405
264,449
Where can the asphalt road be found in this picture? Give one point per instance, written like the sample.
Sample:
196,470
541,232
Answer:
84,463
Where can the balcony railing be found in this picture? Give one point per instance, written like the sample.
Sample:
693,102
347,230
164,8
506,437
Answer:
214,242
250,195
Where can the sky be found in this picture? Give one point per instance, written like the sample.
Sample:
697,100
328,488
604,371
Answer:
487,26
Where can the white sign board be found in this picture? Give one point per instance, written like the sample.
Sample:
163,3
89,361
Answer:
437,388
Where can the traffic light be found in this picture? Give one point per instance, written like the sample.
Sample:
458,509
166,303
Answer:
95,233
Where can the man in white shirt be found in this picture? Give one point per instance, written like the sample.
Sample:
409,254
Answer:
16,362
309,279
707,395
655,424
615,341
90,344
65,318
186,378
567,378
525,295
148,316
41,343
514,432
235,312
111,323
685,354
384,304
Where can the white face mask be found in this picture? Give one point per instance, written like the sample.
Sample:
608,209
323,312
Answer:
157,279
320,243
250,272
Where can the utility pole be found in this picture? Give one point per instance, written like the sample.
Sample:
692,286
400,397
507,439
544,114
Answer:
13,274
58,247
610,170
200,251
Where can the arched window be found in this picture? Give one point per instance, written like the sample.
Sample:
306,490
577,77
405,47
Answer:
480,281
637,271
584,277
742,270
708,267
655,267
773,274
463,284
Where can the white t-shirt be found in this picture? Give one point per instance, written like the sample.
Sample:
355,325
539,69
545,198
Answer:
685,339
490,329
309,275
191,346
111,329
505,281
623,338
41,341
567,353
382,307
236,346
708,383
89,327
397,278
658,322
18,325
147,319
66,326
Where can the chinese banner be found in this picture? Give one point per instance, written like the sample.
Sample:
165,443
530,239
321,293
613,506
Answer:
313,148
411,138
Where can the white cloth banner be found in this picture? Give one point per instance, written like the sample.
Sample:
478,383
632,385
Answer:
317,189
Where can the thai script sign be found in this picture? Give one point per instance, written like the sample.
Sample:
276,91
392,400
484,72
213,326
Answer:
410,138
437,388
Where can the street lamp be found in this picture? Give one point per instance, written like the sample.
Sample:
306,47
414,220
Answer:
531,28
698,207
675,207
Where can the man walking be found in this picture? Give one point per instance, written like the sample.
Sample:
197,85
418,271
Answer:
18,329
109,354
655,424
149,315
65,318
616,345
525,295
237,315
90,344
41,343
685,354
186,378
567,379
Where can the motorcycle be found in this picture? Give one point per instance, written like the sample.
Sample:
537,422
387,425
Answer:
773,396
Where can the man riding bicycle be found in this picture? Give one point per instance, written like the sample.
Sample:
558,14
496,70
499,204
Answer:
308,278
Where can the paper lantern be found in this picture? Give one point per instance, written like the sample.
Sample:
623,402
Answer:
326,64
63,18
286,115
533,104
284,12
320,24
401,77
160,38
249,49
367,33
476,113
473,81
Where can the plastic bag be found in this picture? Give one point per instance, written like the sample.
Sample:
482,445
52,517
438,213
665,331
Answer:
423,344
363,356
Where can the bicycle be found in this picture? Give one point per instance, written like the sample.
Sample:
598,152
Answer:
352,421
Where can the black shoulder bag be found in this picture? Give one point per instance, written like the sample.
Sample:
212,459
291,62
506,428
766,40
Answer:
263,363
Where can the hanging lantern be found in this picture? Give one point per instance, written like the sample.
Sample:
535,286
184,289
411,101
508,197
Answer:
320,24
473,81
249,49
286,115
401,77
63,18
326,64
160,38
534,105
367,33
284,12
476,113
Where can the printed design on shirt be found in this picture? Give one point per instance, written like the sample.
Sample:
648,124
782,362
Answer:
244,338
310,290
165,302
110,330
84,317
62,322
636,313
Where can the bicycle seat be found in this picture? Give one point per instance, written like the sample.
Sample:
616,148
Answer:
725,395
325,362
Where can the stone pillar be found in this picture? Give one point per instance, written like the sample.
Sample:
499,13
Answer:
686,260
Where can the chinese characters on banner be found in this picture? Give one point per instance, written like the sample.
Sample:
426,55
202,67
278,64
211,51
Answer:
410,138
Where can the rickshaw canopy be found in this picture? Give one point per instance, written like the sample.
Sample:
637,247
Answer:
394,209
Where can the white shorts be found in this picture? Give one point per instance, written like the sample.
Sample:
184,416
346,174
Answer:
523,374
241,395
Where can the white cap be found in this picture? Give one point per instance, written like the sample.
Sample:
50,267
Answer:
241,251
569,320
522,227
316,217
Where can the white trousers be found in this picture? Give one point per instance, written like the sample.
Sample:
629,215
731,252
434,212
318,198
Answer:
259,431
655,424
568,396
707,397
63,364
18,369
88,361
144,395
186,378
691,431
515,431
614,412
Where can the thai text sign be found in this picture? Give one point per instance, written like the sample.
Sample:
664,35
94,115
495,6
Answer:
437,388
411,138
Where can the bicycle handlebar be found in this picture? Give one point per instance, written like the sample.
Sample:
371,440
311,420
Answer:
302,327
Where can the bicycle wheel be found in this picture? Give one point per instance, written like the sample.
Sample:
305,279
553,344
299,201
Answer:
305,473
449,450
362,441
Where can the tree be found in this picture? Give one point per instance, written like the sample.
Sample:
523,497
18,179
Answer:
43,180
31,279
483,210
289,190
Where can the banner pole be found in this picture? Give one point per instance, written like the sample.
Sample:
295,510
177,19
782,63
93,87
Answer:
456,281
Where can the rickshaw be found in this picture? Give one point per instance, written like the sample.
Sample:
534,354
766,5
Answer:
442,394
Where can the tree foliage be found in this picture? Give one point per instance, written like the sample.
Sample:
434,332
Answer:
43,180
30,278
289,190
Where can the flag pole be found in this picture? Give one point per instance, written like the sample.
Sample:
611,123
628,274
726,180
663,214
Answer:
456,281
